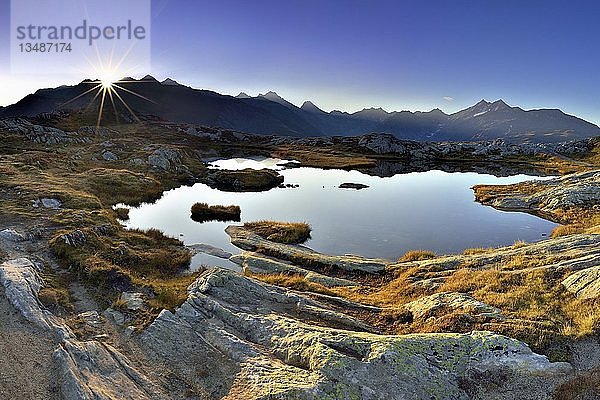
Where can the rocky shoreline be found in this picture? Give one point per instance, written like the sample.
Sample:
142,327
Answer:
260,341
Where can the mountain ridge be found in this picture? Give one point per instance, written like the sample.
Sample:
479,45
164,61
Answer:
269,113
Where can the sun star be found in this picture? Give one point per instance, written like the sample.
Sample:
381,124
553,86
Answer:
106,83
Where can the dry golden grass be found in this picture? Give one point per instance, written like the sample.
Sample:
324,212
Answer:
393,293
485,193
530,295
281,232
291,281
55,294
481,250
475,250
171,292
518,244
586,385
147,254
56,299
111,257
417,255
565,230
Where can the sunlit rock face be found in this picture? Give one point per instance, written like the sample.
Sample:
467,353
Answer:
262,342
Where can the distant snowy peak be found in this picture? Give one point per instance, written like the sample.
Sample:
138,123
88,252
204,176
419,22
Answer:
243,95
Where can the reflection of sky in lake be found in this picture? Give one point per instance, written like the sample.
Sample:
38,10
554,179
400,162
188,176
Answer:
424,210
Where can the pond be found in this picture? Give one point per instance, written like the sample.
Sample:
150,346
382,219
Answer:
431,210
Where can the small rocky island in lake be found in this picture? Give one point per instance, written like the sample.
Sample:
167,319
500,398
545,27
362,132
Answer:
357,186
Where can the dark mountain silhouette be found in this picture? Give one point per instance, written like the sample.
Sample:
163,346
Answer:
269,113
310,107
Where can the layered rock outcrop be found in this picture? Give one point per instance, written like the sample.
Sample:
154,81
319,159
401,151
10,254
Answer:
88,370
559,198
264,342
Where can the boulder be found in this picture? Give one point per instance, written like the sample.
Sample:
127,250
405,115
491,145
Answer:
109,156
210,250
22,283
91,318
52,204
75,238
133,301
579,191
12,235
163,158
113,315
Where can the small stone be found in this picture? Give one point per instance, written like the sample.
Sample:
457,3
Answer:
91,318
109,156
116,316
12,235
51,203
75,238
137,162
210,250
133,301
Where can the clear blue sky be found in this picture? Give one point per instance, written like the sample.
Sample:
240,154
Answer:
350,54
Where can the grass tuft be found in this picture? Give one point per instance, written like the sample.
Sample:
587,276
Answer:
291,281
475,250
565,230
122,213
202,212
281,232
417,255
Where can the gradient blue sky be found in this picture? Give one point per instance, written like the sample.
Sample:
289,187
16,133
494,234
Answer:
400,55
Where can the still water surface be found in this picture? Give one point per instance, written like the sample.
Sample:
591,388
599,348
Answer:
431,210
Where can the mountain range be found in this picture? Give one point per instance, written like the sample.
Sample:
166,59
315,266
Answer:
271,114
